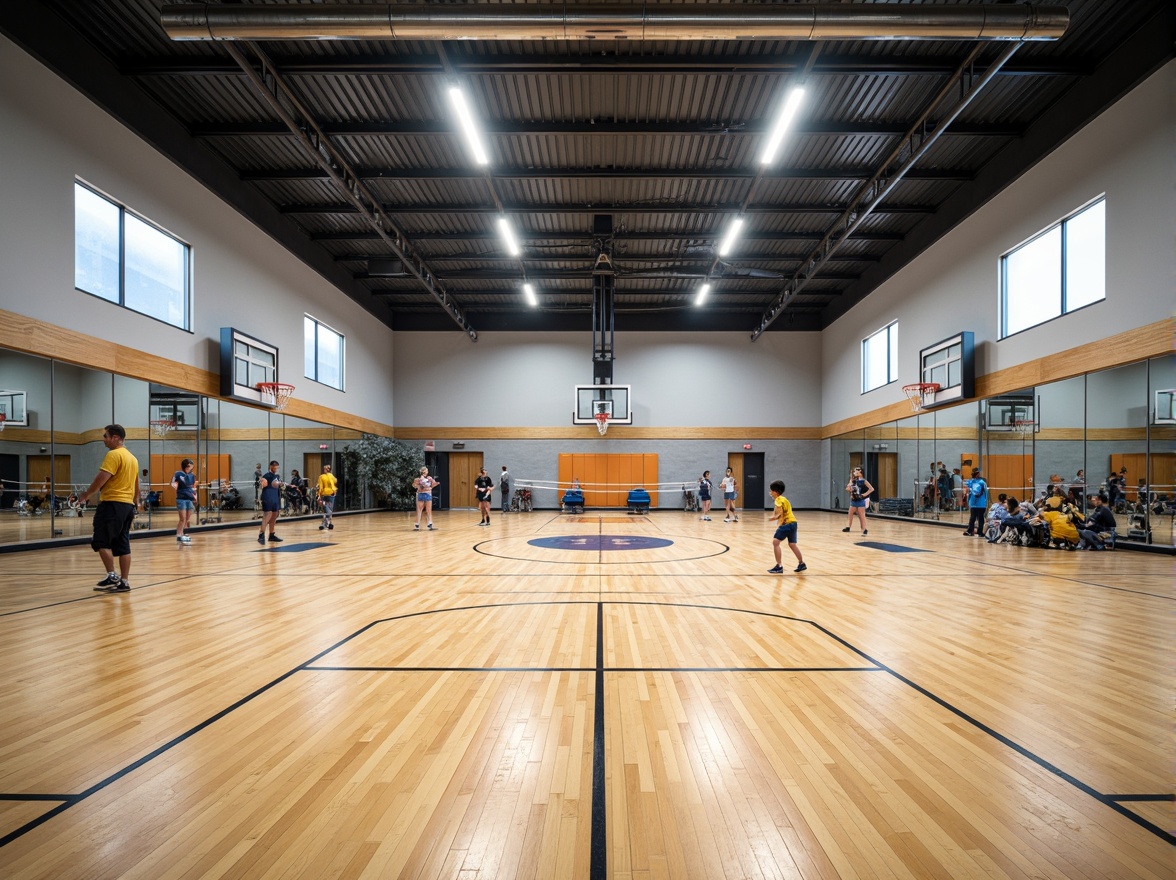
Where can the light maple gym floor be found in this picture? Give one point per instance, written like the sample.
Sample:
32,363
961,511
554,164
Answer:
587,697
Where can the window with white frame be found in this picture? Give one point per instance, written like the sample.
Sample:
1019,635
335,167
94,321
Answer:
1058,271
324,353
124,258
880,358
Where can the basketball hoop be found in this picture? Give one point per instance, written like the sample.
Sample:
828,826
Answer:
3,419
161,427
275,394
920,394
602,423
1024,427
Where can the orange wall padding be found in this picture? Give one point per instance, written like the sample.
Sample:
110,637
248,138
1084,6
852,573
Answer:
606,478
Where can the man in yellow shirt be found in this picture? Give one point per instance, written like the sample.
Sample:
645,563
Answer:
118,478
327,487
785,529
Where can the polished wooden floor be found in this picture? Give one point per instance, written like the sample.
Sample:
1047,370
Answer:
587,697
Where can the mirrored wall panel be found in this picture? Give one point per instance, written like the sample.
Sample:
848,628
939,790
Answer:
52,416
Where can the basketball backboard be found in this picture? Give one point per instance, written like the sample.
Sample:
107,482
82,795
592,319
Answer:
951,364
178,407
593,399
13,407
1165,411
244,362
1002,413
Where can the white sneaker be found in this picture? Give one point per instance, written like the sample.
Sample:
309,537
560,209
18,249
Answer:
728,519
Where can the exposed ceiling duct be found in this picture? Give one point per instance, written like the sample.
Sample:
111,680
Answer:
829,21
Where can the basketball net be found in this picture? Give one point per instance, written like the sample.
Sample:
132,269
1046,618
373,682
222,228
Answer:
920,394
276,394
602,423
3,419
161,427
1023,428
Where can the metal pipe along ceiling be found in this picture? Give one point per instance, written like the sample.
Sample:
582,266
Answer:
828,21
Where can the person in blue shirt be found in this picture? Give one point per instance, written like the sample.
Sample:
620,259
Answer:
184,482
270,484
977,491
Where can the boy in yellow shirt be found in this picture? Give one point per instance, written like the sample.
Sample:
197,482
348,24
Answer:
785,529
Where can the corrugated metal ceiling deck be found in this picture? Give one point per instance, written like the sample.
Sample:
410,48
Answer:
660,136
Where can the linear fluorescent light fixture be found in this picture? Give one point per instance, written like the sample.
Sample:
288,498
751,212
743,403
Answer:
468,127
729,239
700,297
783,123
508,237
529,293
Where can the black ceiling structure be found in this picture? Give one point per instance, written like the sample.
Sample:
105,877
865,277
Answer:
345,150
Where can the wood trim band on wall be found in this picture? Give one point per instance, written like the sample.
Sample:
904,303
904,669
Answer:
620,432
39,338
1131,346
31,336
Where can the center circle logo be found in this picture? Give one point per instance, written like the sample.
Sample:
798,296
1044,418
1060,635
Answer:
600,542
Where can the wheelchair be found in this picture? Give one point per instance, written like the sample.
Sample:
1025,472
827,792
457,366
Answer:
521,501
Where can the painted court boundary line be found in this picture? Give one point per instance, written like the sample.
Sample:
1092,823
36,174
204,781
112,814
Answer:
598,817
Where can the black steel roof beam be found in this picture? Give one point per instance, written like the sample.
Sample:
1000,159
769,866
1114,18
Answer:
535,240
282,100
393,174
961,89
599,128
744,258
620,64
674,208
585,271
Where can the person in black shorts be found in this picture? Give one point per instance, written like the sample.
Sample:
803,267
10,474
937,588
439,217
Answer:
118,480
270,484
483,488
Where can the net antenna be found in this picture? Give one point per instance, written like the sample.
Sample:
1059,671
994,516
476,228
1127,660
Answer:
1024,427
920,394
160,428
602,415
275,394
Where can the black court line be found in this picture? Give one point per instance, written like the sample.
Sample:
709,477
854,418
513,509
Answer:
1137,798
598,860
13,796
598,817
609,670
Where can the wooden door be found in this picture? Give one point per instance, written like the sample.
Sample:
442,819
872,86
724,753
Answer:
885,478
1011,474
39,468
735,463
463,470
